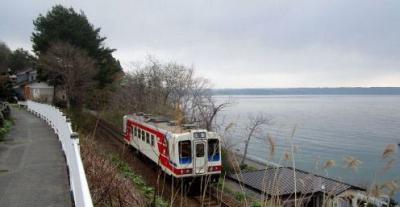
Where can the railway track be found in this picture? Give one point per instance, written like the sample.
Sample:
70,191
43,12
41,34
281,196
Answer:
211,198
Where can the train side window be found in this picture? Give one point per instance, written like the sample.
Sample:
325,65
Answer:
135,130
185,152
213,150
152,140
147,138
166,152
143,135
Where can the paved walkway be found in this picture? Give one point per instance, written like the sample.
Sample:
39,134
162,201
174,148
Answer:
32,167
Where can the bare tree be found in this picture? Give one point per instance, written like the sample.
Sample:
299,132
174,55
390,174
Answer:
141,90
254,124
169,89
179,81
207,110
73,66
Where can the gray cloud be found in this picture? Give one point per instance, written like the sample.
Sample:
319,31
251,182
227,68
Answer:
243,43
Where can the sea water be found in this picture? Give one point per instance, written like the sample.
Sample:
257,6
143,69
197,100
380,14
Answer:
320,128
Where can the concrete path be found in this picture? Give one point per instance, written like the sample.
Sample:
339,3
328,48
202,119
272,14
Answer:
33,171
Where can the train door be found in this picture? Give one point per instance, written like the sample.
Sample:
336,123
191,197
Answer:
200,157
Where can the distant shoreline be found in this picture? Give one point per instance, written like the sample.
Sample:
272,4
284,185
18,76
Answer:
309,91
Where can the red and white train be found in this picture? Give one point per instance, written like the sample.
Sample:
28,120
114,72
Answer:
181,152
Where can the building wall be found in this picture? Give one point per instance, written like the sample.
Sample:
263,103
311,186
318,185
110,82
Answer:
44,95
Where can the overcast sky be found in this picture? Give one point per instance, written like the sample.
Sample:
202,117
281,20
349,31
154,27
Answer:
237,44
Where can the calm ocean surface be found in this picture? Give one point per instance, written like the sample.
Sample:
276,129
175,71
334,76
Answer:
327,127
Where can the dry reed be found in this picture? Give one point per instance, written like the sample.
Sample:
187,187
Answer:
272,144
329,164
352,163
390,150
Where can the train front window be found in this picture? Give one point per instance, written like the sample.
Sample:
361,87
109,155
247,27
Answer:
185,152
213,150
200,150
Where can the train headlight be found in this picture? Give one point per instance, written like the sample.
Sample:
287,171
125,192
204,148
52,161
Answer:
186,171
214,168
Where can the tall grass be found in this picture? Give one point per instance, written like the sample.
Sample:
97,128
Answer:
108,185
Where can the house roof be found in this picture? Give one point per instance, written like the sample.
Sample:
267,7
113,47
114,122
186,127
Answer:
28,70
279,181
39,85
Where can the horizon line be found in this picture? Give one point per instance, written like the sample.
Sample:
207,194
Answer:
339,87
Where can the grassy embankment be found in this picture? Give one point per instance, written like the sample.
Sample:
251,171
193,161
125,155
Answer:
112,181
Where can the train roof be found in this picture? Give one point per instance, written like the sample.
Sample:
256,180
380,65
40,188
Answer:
162,122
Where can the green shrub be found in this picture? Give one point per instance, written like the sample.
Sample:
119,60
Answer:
239,196
5,129
148,191
256,204
160,202
247,168
127,172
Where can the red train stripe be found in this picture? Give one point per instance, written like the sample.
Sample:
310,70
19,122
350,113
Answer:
162,149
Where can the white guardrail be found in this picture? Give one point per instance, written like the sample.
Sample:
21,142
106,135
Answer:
70,144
